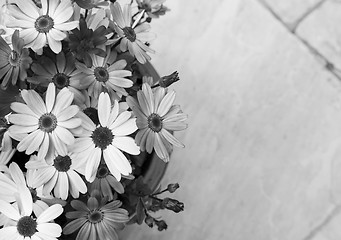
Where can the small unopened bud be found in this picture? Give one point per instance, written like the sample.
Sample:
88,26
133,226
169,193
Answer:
168,80
156,205
149,220
161,225
172,187
173,204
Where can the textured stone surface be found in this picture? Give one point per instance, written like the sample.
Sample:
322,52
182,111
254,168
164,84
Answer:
262,156
290,11
321,30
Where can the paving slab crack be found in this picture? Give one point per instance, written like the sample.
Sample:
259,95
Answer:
305,15
329,66
313,232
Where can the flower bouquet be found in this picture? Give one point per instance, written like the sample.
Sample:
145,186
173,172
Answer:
86,123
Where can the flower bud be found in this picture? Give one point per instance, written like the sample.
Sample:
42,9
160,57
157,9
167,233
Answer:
173,204
173,187
161,225
168,80
149,220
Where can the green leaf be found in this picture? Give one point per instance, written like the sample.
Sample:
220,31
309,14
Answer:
140,213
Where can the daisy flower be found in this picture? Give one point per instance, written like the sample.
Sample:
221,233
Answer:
133,36
105,182
105,73
107,140
48,125
62,72
20,181
24,225
96,220
41,26
157,118
13,62
59,174
84,41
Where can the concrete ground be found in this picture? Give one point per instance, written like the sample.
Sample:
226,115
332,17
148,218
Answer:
261,84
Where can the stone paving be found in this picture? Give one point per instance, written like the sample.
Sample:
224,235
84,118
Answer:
261,83
264,130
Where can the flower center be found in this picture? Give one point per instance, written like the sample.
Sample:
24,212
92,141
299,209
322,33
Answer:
85,45
95,216
44,24
26,226
47,122
102,171
129,33
62,163
92,113
60,80
102,137
34,194
101,74
14,58
155,122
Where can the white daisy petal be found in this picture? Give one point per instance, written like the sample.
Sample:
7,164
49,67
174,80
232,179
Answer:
76,182
50,97
22,108
9,210
114,113
150,141
23,144
63,100
170,138
82,144
51,229
71,123
122,118
55,46
126,144
64,135
34,101
115,157
10,233
36,142
68,26
117,14
51,213
50,184
126,128
160,149
25,202
16,129
45,146
17,175
166,103
23,119
68,113
148,94
30,7
58,144
43,176
62,186
104,109
92,164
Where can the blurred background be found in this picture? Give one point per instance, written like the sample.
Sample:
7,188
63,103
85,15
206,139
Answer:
260,82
